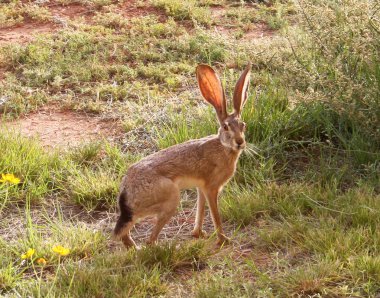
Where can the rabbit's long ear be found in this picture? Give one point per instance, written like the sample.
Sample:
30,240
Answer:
241,90
212,90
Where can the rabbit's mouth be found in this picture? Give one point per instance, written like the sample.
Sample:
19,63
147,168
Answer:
240,146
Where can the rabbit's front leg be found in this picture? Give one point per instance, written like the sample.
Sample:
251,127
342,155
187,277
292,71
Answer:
201,201
212,199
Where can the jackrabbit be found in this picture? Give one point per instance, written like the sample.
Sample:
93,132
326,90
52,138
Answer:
152,186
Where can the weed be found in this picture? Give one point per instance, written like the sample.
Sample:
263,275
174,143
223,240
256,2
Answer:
15,13
26,160
189,10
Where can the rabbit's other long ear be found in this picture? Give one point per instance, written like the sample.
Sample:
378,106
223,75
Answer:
212,90
241,90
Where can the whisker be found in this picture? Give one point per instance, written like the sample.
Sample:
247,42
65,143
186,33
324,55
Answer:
252,150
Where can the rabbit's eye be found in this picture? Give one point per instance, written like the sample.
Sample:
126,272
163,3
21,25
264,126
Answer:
242,126
225,126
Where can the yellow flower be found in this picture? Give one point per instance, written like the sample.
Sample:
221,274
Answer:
41,261
9,178
29,253
62,251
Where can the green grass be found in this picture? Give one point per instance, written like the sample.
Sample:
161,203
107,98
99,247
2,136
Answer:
15,13
26,160
131,274
303,207
75,61
101,272
89,175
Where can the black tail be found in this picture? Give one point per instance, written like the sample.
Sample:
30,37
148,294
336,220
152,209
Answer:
125,213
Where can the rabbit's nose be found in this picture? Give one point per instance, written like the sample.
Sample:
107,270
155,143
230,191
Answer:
239,142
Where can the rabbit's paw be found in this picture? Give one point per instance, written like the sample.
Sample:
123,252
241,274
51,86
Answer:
223,240
199,234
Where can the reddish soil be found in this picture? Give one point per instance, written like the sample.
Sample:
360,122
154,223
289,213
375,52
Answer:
2,73
129,9
70,11
57,128
260,30
26,31
218,11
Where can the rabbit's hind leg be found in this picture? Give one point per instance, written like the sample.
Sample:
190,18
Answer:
126,237
125,221
168,208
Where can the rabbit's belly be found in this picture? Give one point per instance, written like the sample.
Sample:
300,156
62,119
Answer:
188,182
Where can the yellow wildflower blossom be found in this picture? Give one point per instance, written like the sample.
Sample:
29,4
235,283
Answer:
9,178
62,251
29,253
41,261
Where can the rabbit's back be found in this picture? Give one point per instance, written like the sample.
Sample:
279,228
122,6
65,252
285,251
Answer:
196,163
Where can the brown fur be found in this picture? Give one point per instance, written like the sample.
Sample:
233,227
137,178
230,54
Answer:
153,184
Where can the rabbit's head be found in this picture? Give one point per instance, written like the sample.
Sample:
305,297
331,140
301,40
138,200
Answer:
231,131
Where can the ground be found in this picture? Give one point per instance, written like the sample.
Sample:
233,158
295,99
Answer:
87,87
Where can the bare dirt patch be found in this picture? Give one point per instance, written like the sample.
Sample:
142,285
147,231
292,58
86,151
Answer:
258,31
70,11
2,73
60,128
131,9
24,32
28,29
